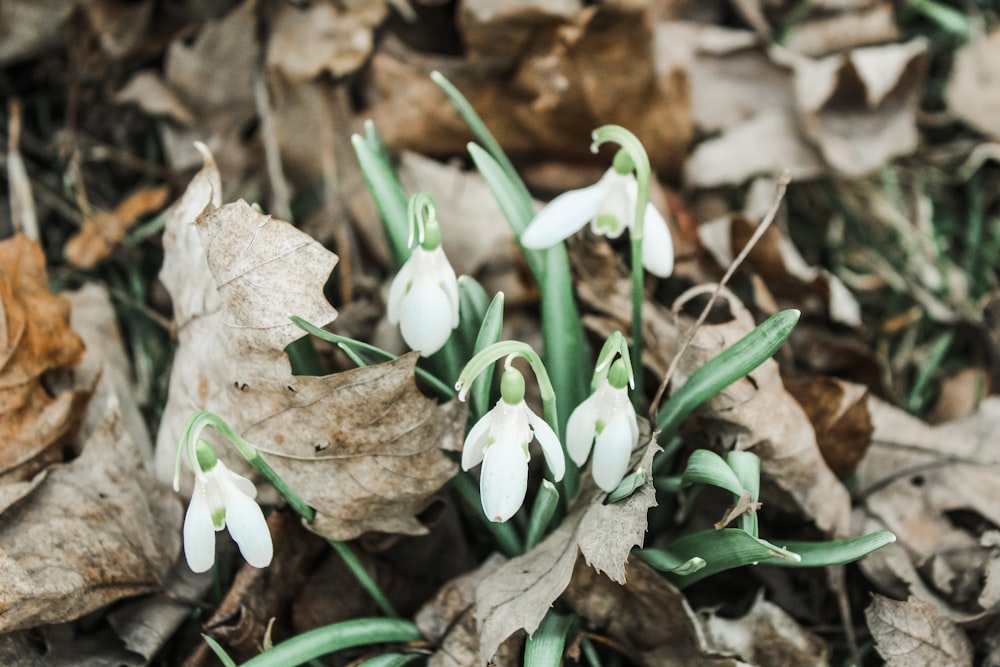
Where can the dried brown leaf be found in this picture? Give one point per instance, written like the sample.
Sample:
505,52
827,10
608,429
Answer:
838,411
973,92
521,592
88,533
35,339
105,230
647,617
913,634
865,26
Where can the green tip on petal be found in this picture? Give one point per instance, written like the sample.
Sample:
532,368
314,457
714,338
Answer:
512,386
618,375
205,455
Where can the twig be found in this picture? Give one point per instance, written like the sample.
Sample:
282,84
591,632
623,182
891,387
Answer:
772,212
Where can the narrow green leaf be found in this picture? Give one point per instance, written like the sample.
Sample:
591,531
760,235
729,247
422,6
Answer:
489,333
707,467
743,356
837,552
545,647
336,637
746,466
391,660
389,196
720,549
219,652
665,561
542,511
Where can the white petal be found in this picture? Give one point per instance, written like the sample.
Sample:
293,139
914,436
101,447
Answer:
562,216
398,290
619,201
581,428
248,527
504,480
425,318
245,486
448,281
199,533
475,443
612,449
657,246
550,445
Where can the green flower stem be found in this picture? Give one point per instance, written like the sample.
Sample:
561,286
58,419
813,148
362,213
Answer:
614,345
192,433
336,637
349,344
640,161
504,533
420,211
508,348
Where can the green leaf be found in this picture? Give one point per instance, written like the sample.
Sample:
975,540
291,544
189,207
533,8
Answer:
388,193
391,660
736,362
542,511
707,467
837,552
219,652
746,466
336,637
489,333
720,549
546,646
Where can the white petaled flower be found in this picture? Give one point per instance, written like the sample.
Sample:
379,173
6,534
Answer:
605,420
423,300
609,207
222,499
500,442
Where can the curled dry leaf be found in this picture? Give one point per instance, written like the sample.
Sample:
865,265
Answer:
35,340
85,533
838,411
912,480
362,447
914,634
520,593
756,413
105,230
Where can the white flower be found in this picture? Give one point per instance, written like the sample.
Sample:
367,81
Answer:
222,498
423,300
606,420
609,207
500,441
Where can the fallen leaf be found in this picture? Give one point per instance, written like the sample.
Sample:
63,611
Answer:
88,533
49,646
29,27
35,340
156,98
913,633
364,447
308,40
864,25
521,591
105,230
122,28
542,76
765,635
838,411
912,480
973,92
647,617
960,395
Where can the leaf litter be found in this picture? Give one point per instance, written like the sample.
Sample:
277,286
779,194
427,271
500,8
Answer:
847,110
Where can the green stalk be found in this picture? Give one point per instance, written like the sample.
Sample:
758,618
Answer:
336,637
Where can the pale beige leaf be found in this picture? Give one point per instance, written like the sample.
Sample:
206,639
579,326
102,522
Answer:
913,634
765,635
973,92
521,592
91,532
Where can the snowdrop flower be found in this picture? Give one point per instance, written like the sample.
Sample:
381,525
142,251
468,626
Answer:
500,442
605,420
423,298
223,499
609,207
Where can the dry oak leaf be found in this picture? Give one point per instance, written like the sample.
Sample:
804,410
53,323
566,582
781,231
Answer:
35,339
86,533
362,447
974,89
521,591
914,634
